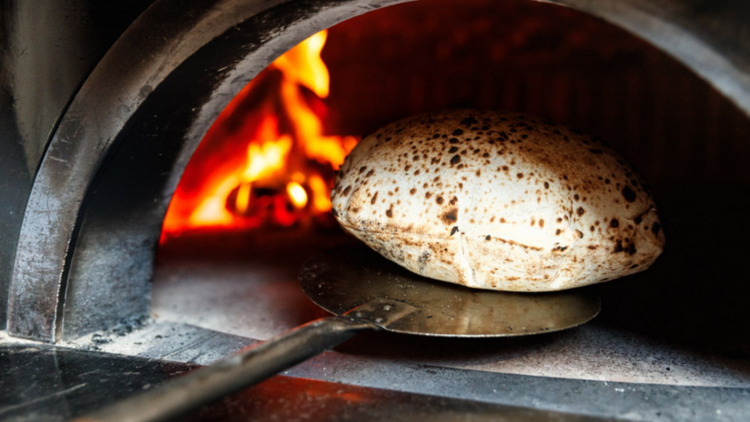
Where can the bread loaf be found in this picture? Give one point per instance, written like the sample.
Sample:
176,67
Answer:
497,201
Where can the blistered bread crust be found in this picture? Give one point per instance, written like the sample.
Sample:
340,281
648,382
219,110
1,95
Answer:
497,201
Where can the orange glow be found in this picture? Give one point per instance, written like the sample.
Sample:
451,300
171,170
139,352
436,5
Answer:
297,194
303,65
321,194
267,162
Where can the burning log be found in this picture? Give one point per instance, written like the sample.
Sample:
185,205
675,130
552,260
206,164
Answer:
266,159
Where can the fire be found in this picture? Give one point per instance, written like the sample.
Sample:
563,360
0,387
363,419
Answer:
297,194
266,158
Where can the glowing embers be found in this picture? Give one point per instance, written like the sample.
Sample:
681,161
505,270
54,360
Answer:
266,159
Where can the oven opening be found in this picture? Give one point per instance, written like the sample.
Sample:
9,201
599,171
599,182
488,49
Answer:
253,203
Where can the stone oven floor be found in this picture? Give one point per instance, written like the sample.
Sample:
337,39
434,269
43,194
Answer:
253,293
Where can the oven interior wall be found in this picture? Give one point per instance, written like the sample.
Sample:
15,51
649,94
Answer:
540,59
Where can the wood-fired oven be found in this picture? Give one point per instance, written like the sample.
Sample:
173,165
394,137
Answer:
107,110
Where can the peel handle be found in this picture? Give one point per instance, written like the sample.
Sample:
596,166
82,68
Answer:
203,386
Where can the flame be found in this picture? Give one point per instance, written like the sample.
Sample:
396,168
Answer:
321,194
297,194
303,66
285,173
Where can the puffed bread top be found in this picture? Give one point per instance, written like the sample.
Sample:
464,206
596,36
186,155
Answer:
497,201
